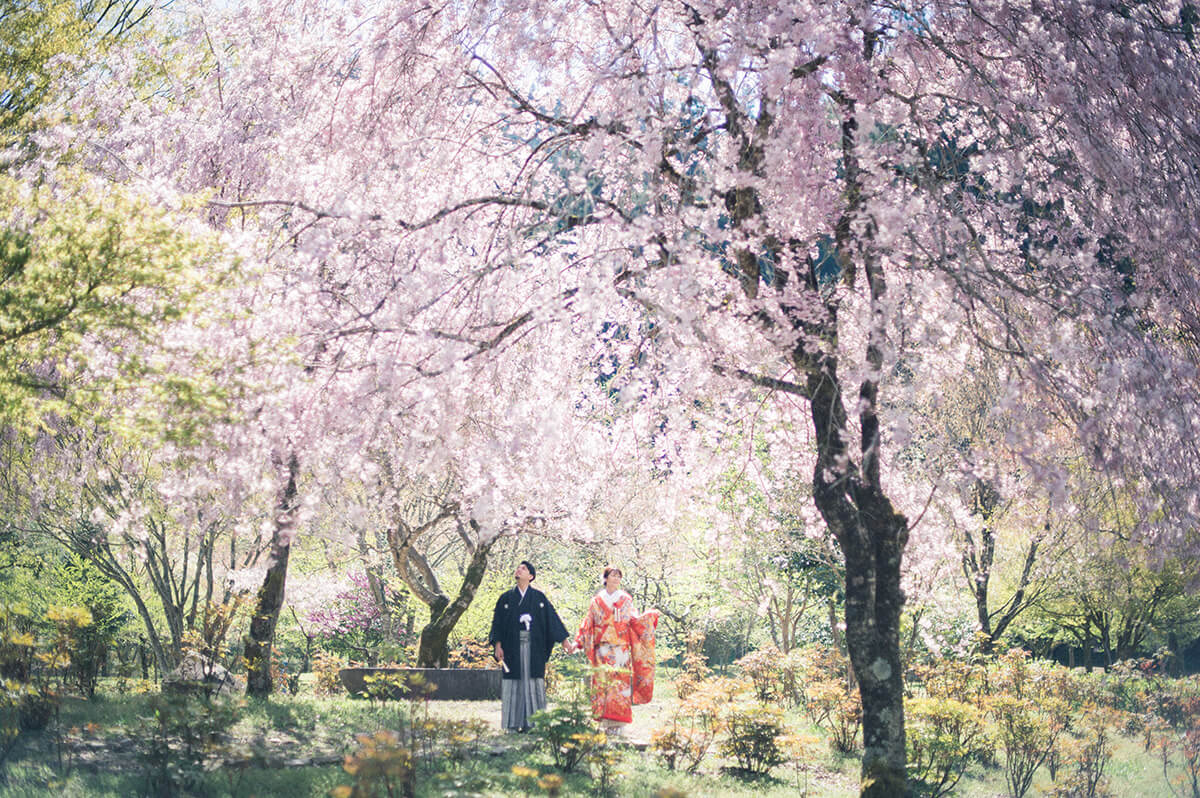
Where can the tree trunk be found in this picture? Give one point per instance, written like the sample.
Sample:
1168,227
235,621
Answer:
269,602
873,609
432,651
872,536
849,496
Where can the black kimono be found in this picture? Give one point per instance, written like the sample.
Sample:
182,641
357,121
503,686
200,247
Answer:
545,630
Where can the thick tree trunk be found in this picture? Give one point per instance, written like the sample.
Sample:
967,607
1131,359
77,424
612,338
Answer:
872,536
269,601
873,608
432,650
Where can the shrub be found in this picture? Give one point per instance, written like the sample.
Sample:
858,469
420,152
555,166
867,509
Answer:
185,737
12,693
820,663
790,668
1087,754
1012,674
568,679
82,584
551,783
326,669
474,654
697,720
1176,701
16,643
34,672
1028,734
752,738
800,750
567,730
462,737
567,733
677,745
381,766
942,735
1189,748
952,680
285,680
1125,686
1187,745
694,669
833,706
761,667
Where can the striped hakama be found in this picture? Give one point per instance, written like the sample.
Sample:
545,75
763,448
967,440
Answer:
520,698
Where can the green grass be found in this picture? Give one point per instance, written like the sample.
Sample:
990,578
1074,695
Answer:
299,727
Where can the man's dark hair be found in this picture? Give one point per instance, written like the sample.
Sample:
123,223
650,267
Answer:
532,570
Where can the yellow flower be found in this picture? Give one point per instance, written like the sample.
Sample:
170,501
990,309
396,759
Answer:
522,772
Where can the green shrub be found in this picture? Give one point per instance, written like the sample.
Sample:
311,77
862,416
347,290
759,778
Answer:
568,733
326,669
382,766
694,668
1187,746
695,724
34,671
943,736
186,737
954,680
761,667
752,737
1086,754
473,654
833,706
1028,732
567,730
82,584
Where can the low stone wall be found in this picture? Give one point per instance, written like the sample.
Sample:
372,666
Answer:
453,684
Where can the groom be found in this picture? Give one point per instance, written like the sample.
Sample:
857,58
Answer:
525,628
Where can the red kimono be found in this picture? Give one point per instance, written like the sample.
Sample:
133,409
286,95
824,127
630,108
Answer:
620,638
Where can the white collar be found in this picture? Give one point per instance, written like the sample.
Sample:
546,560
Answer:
610,598
522,592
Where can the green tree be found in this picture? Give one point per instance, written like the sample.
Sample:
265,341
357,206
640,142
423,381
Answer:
87,269
81,584
1122,601
88,275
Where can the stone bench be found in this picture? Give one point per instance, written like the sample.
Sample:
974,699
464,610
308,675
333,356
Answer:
453,684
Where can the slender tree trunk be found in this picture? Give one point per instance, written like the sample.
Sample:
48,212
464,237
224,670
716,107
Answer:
164,661
432,651
270,596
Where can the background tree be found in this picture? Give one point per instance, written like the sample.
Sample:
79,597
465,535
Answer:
120,508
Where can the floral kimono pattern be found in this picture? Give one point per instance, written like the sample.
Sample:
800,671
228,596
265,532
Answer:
621,641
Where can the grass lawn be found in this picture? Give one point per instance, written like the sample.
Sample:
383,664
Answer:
294,747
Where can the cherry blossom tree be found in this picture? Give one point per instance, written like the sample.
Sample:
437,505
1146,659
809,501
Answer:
173,540
829,204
